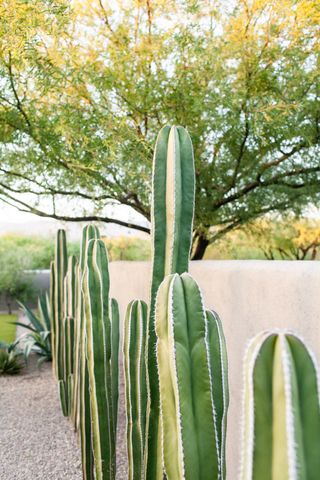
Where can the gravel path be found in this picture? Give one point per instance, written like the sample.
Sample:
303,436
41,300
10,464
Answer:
36,441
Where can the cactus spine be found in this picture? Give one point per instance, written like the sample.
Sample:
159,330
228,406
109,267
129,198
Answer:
135,328
172,216
190,349
99,359
281,425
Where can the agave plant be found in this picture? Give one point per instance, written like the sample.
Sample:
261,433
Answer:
39,338
10,359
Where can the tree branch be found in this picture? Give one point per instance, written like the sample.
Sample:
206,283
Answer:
24,207
16,96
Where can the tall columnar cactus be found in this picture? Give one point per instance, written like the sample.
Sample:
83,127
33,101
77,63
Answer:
67,347
115,343
53,317
81,404
281,424
192,365
60,269
134,340
102,336
172,216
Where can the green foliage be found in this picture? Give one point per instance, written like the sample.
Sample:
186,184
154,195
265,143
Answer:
284,238
37,252
127,248
13,282
85,90
10,359
39,340
7,328
281,410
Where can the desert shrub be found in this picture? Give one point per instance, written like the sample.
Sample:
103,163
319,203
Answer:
127,248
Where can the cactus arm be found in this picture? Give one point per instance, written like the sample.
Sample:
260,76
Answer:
283,458
98,332
67,335
63,397
258,409
282,412
172,216
60,266
169,391
219,370
115,341
306,402
85,420
172,205
188,413
70,287
83,404
52,317
76,352
135,385
65,385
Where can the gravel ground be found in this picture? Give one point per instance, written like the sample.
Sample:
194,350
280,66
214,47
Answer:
36,441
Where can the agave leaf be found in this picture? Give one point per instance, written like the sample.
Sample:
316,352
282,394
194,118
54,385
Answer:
24,325
32,318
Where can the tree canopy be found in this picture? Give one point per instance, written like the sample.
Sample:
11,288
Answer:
86,86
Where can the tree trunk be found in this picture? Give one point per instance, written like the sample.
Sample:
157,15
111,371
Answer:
200,244
9,305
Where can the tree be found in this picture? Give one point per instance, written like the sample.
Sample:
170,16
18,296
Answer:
13,282
286,239
85,91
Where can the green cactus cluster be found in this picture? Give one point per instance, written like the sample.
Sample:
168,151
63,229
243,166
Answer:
174,359
193,406
155,421
85,326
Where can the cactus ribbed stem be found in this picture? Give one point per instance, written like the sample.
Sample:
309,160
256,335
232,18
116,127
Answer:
281,424
99,359
115,342
52,318
193,406
135,385
60,269
172,217
219,371
81,385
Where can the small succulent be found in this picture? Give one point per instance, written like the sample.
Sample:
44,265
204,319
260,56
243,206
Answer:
10,359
